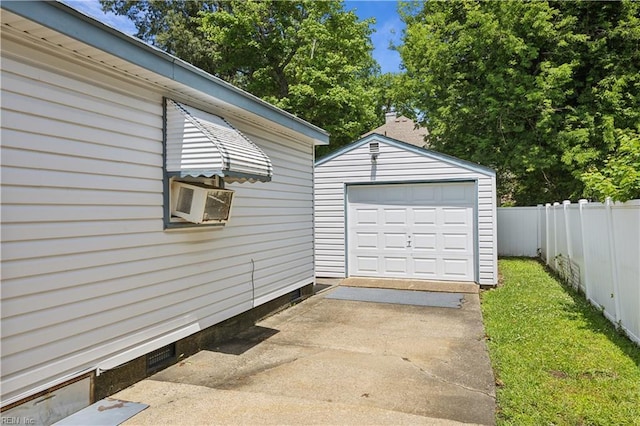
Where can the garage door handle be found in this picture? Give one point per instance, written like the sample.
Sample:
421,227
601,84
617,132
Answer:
409,241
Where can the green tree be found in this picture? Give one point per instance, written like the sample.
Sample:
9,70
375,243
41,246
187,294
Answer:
313,59
536,90
620,176
388,91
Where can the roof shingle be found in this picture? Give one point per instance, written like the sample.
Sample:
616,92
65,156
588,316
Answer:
403,129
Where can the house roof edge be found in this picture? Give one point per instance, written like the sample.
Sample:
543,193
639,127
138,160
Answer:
75,24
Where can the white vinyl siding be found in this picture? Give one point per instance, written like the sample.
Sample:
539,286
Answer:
394,164
88,273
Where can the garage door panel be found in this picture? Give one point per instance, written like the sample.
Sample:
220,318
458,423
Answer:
412,231
367,216
425,268
367,264
395,265
393,241
394,216
367,240
424,241
424,216
455,216
365,194
460,193
397,196
425,195
456,268
455,242
454,194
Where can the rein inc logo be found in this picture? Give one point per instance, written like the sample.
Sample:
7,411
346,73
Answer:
17,420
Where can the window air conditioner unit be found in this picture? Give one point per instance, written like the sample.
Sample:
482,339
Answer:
199,203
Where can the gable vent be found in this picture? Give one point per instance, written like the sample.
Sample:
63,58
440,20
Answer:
374,150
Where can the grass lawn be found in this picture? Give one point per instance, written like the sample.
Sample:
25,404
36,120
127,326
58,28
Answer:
557,360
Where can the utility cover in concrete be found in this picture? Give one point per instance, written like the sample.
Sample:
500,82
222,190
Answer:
107,412
402,297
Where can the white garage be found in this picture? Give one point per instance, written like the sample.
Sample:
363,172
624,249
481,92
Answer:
388,209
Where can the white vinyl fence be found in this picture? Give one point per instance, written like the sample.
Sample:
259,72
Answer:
593,246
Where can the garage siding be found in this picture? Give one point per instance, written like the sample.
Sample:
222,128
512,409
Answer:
396,162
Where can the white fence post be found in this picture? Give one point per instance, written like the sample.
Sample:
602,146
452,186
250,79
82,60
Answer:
539,242
546,228
587,283
567,233
565,208
612,260
555,236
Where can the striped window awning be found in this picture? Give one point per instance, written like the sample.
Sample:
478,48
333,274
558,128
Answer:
200,144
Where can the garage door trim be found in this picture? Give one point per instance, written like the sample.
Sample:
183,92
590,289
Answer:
474,181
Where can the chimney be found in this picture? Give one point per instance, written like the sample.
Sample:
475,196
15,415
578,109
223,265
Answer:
389,117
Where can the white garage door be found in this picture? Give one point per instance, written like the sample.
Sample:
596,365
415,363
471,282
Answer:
423,231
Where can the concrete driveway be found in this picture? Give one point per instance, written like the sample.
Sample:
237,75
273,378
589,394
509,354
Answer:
335,361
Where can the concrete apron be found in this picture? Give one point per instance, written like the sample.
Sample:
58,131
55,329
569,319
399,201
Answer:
329,361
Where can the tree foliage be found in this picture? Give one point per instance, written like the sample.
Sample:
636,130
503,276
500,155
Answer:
620,176
546,93
313,59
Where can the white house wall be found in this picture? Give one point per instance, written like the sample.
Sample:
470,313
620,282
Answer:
89,277
393,165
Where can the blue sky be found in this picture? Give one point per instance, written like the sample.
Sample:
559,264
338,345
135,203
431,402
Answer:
388,29
388,25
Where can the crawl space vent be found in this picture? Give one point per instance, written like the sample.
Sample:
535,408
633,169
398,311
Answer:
161,358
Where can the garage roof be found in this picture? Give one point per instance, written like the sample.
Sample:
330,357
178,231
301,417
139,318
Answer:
417,150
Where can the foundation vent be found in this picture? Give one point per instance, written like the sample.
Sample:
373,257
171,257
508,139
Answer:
161,358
